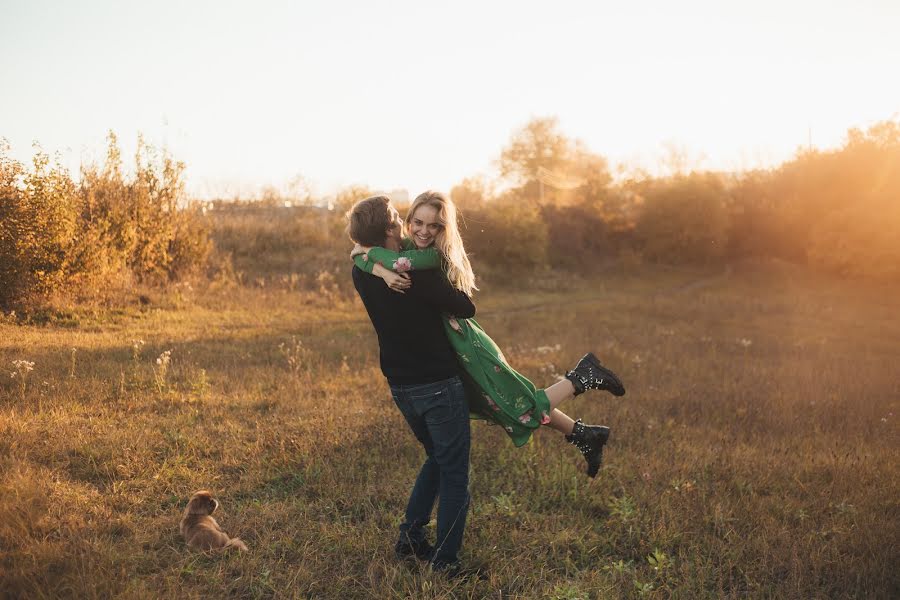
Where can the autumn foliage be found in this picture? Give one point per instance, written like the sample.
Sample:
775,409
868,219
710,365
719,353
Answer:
108,230
552,204
836,211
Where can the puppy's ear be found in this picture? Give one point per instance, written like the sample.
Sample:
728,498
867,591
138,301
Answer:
201,503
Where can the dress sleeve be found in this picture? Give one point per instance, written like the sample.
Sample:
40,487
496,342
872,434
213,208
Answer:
406,260
365,265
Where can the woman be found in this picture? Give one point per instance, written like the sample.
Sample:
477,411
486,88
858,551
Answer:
497,392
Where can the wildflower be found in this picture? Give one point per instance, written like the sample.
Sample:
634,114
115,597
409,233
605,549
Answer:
297,356
164,359
162,368
524,419
23,366
136,346
745,342
545,418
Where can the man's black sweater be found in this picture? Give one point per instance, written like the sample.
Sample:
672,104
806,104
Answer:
411,336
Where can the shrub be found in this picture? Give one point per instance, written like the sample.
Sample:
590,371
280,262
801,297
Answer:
509,232
859,241
57,235
578,235
38,221
684,220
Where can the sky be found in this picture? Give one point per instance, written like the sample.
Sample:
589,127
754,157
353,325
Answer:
421,94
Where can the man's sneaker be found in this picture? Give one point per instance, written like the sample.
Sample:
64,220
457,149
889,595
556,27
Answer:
590,439
589,374
406,549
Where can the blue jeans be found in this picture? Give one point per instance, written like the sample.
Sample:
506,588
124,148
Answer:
438,415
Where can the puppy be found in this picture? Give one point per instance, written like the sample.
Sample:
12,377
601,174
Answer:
200,530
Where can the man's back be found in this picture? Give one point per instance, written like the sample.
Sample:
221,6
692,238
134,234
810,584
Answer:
411,337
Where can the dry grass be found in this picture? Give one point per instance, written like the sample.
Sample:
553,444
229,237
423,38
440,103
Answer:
754,455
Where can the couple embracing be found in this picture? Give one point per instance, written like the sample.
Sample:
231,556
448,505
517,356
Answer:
416,283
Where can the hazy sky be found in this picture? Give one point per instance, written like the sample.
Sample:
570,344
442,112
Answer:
421,94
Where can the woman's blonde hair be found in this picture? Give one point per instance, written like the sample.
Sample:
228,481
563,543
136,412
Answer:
448,241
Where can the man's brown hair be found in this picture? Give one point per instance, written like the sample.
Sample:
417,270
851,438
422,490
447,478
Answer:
369,220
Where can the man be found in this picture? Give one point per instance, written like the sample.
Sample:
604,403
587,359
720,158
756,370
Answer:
423,374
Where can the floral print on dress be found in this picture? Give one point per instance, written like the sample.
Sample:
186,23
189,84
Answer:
402,265
508,400
491,403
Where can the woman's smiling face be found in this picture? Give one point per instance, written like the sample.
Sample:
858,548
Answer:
424,226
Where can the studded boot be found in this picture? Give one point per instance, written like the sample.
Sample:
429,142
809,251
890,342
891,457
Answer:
589,374
590,439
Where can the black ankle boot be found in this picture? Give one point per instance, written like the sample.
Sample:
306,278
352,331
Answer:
590,439
589,374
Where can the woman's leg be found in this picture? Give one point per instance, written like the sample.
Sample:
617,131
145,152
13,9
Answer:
556,393
559,391
561,422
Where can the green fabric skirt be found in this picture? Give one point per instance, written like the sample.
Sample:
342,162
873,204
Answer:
500,394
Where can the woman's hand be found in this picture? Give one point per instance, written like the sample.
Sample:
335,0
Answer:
357,250
399,282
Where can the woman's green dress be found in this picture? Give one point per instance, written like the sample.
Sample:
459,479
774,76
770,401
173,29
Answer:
501,394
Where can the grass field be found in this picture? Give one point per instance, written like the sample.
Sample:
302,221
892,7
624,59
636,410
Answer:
755,454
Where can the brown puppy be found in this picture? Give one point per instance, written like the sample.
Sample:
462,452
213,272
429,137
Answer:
200,530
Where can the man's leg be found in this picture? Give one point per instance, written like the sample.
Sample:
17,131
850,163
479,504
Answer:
424,491
447,418
419,507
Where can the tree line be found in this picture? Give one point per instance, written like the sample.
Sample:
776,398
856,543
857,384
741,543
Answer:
835,210
552,204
